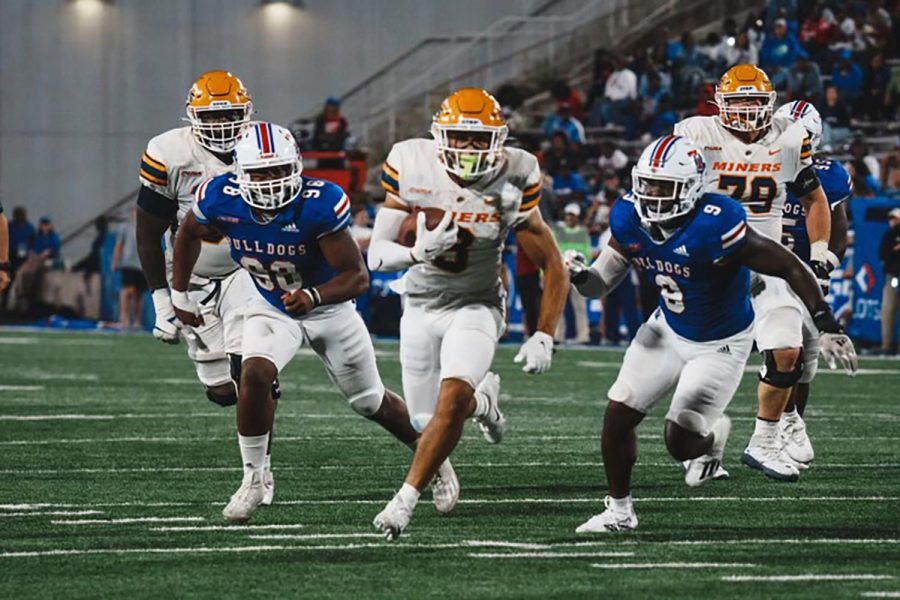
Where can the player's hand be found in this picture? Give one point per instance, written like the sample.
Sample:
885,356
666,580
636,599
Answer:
576,263
186,309
834,344
298,302
536,353
4,280
430,244
165,329
823,261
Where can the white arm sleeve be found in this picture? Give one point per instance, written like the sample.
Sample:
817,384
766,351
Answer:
384,253
605,274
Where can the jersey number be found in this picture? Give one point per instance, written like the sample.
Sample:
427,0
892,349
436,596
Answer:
281,274
762,191
671,293
456,259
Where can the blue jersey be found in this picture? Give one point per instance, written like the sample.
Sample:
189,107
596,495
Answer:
282,255
837,185
700,299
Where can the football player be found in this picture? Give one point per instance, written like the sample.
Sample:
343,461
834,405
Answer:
698,248
838,187
454,301
291,234
175,162
756,159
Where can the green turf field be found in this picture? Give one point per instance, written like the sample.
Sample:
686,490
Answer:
115,469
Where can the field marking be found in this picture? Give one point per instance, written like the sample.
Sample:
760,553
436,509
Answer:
52,513
21,388
880,594
807,577
313,536
185,415
240,528
126,520
673,565
742,542
550,554
29,341
591,364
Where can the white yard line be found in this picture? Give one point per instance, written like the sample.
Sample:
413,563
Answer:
238,528
21,388
880,594
745,542
807,577
53,513
313,536
128,416
550,554
126,521
673,565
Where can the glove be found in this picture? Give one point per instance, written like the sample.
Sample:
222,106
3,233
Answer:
165,329
834,344
186,310
823,261
577,265
432,243
537,353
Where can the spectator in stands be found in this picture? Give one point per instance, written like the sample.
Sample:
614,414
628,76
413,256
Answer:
782,10
571,234
21,239
361,230
816,31
834,111
511,99
563,93
740,51
781,48
890,185
663,122
807,81
877,76
568,185
562,120
781,80
889,255
330,131
847,77
611,158
619,92
865,164
608,188
711,49
125,260
622,301
91,263
706,101
47,244
560,150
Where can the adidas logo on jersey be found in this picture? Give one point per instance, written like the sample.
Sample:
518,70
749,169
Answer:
681,251
726,349
291,228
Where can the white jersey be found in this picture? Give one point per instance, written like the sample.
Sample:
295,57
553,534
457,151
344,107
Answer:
468,273
173,165
755,174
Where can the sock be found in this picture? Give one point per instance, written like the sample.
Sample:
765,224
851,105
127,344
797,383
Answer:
789,415
482,404
409,495
765,428
268,463
625,504
253,451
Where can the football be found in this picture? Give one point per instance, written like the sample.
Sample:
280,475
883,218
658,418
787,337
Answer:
407,234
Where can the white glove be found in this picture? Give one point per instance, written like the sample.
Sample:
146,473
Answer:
430,244
183,301
537,353
836,347
576,263
165,329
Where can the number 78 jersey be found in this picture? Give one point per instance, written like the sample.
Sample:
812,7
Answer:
757,175
282,255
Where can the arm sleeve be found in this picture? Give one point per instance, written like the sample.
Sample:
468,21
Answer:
385,254
605,274
151,201
806,182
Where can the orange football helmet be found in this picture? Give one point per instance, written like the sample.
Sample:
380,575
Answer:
740,84
470,131
218,107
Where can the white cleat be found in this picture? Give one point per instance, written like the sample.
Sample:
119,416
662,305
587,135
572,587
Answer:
394,518
709,466
796,441
246,499
493,424
269,485
445,488
609,520
766,453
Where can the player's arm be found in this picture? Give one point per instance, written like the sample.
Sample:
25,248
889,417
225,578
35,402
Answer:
350,280
809,192
765,256
536,240
385,254
155,213
602,276
188,243
837,243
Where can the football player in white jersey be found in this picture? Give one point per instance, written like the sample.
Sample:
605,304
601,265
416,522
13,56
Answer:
173,165
756,159
454,300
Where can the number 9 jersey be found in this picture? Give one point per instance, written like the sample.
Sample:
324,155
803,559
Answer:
283,254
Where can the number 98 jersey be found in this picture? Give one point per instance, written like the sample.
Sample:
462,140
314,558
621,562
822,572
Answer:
282,255
700,299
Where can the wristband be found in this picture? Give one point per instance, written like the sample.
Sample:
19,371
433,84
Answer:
819,251
579,277
314,296
824,319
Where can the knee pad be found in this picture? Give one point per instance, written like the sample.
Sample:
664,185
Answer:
235,363
229,399
367,403
770,374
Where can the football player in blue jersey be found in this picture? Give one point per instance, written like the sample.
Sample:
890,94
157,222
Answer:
838,187
698,248
291,233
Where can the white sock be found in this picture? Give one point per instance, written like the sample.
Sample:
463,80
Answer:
625,504
409,495
268,463
765,428
789,415
482,404
253,451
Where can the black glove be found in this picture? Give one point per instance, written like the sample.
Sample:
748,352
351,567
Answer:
822,271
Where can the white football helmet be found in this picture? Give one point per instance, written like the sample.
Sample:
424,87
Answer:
667,180
267,166
809,117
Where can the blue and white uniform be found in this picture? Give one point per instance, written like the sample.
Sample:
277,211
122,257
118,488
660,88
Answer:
283,255
699,338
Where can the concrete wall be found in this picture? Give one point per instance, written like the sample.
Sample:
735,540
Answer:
83,84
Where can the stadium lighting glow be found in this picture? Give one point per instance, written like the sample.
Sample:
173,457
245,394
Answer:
279,13
89,9
286,3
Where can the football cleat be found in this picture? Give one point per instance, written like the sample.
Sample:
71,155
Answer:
709,466
246,499
445,488
269,485
796,441
394,518
766,453
492,424
609,520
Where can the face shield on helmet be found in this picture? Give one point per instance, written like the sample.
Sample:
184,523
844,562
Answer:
268,167
746,111
667,180
470,152
217,129
808,116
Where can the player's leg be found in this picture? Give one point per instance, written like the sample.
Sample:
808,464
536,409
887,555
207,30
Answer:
206,349
270,341
649,369
797,444
466,352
